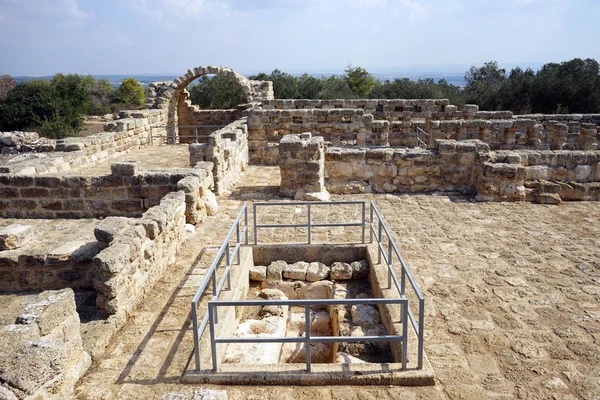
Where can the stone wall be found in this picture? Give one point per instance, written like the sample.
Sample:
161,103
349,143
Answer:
394,170
127,193
227,150
212,120
136,252
41,353
542,176
302,166
336,126
62,155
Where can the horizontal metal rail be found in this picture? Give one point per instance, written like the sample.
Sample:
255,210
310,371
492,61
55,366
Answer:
309,224
176,136
308,339
392,249
211,275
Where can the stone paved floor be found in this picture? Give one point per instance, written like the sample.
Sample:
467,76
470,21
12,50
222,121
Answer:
151,157
513,303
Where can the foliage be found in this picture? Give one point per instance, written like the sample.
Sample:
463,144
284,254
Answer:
360,81
483,84
6,84
218,92
285,86
335,87
131,93
29,105
101,96
309,87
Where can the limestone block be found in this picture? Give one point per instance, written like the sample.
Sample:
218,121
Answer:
258,273
341,271
76,251
548,198
360,269
583,173
125,168
15,236
296,271
344,358
257,353
113,259
317,271
365,314
275,270
314,290
210,200
108,228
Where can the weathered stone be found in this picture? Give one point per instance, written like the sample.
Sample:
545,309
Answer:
317,271
360,269
210,201
340,271
296,271
15,236
113,259
365,314
548,198
275,270
258,273
125,168
108,228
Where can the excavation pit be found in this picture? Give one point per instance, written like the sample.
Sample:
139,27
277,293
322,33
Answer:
272,294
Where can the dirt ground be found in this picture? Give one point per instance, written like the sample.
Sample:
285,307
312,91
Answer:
152,157
512,303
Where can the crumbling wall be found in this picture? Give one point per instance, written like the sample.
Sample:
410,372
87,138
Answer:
395,170
227,150
41,352
62,155
336,126
302,166
128,191
543,176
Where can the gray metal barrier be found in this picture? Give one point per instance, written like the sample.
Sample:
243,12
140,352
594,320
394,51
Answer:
377,228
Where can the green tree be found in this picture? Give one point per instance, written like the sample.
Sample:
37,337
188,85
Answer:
483,84
218,92
309,87
74,97
6,84
131,93
360,81
515,92
571,86
335,87
285,86
101,96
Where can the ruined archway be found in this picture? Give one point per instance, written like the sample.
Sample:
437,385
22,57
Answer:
174,97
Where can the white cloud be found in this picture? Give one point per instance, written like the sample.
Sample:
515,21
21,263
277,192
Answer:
414,9
57,9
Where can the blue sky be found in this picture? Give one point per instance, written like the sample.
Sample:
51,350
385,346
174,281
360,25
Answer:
43,37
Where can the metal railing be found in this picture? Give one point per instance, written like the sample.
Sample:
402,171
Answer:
377,228
174,137
309,224
392,249
308,339
211,275
422,138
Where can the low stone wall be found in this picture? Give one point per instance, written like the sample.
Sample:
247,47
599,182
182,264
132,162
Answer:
126,192
396,170
542,176
131,131
227,150
41,353
136,252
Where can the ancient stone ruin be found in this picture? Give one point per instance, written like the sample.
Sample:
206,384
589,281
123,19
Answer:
89,224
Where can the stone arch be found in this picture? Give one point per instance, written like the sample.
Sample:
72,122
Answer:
174,95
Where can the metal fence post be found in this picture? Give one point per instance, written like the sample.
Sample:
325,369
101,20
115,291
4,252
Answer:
307,337
421,332
404,334
246,222
371,226
363,222
255,228
239,251
215,284
196,338
309,230
379,250
389,262
213,344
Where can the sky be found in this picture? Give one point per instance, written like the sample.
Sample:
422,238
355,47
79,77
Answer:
44,37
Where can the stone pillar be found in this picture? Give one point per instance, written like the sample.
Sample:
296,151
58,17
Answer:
302,166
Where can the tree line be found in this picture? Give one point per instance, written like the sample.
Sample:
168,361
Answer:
57,108
567,87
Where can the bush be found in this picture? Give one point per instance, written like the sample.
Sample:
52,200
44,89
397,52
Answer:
218,92
131,93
